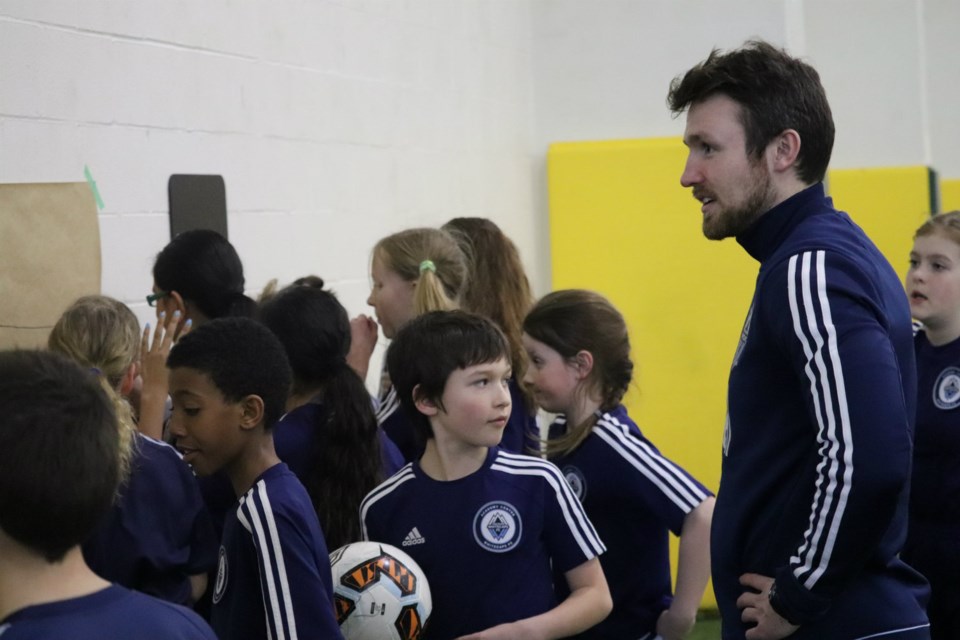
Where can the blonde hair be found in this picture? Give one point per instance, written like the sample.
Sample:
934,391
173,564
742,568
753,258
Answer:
948,224
432,259
575,320
103,334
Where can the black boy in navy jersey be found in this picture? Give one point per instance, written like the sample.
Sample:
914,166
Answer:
229,381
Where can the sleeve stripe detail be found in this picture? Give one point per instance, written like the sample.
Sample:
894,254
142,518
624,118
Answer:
390,404
281,623
405,474
665,475
580,526
814,328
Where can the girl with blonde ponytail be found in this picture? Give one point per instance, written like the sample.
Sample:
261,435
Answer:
412,272
158,537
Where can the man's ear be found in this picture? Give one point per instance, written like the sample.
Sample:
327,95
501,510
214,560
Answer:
251,412
583,363
425,405
784,150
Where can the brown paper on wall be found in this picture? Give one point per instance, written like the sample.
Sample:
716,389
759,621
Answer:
49,257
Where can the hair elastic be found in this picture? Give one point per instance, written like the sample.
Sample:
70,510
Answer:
427,265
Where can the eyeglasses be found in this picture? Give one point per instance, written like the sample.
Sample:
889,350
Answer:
153,297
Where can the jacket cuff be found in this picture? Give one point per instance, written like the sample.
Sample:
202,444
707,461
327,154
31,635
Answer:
793,602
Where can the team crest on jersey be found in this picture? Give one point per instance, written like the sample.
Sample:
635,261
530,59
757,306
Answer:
221,584
576,481
946,391
497,527
744,334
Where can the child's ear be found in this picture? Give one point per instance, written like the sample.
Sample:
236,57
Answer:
583,362
251,412
425,405
175,302
126,383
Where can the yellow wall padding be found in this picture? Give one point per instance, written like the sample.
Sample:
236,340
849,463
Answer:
949,195
621,224
889,203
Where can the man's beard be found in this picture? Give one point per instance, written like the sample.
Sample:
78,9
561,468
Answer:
733,222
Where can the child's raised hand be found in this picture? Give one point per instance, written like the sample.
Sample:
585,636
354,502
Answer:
153,356
153,371
363,339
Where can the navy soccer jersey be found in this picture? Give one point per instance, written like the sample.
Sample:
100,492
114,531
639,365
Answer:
295,433
817,445
633,496
273,576
114,612
158,532
520,435
933,540
486,541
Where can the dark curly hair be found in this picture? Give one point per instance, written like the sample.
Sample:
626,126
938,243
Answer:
242,357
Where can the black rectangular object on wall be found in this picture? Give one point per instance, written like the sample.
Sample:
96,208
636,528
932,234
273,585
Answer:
197,202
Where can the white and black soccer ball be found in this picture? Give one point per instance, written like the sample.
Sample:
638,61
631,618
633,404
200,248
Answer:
380,593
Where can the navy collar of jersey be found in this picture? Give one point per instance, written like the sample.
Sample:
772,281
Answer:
491,456
766,234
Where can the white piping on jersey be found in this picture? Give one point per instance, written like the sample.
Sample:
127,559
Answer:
835,443
391,402
641,456
577,521
884,634
268,548
405,474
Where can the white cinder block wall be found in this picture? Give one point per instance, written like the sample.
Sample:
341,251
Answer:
333,123
336,122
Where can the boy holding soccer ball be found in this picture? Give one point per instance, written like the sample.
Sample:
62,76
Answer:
485,525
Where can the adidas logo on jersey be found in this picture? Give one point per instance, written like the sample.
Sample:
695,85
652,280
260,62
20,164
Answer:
413,538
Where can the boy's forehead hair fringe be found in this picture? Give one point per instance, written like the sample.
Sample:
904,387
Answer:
456,339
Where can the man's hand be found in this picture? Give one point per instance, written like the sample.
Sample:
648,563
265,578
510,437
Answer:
755,607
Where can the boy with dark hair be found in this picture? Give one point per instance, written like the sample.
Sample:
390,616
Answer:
229,381
59,471
812,508
484,525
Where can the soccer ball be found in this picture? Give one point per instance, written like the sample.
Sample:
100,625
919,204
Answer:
380,593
